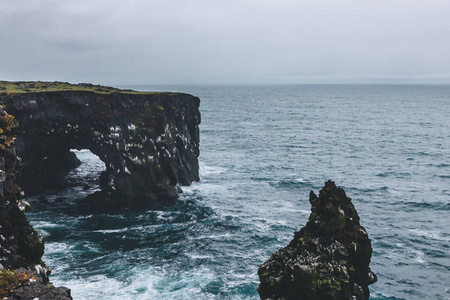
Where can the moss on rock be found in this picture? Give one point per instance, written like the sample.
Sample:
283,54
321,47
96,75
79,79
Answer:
21,87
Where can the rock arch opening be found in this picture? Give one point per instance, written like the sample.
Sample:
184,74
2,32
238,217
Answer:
90,174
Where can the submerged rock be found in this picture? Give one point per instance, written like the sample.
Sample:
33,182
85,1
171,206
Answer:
328,259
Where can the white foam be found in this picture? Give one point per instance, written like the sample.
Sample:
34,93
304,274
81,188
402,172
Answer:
197,256
99,286
112,230
212,237
209,170
55,247
418,255
430,234
40,227
151,283
206,189
165,215
45,224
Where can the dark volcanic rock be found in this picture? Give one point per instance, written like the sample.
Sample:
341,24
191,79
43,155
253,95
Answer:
148,142
23,275
28,285
20,245
328,259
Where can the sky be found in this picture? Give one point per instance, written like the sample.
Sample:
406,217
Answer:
225,42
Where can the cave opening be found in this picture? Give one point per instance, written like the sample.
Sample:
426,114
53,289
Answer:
68,176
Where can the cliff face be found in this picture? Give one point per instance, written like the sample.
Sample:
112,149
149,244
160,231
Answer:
20,244
22,273
327,259
148,142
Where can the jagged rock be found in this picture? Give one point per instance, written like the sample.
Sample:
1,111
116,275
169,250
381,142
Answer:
328,259
149,142
20,245
23,284
21,248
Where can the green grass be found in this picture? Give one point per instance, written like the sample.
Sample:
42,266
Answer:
21,87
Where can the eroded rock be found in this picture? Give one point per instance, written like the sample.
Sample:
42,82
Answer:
24,284
148,142
328,259
23,275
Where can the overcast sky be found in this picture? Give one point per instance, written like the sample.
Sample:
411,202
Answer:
225,41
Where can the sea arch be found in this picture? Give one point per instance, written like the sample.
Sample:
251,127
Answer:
148,142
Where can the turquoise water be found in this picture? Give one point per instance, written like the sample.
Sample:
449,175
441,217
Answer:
263,149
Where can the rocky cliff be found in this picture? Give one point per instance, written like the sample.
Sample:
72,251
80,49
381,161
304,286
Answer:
328,259
149,142
22,273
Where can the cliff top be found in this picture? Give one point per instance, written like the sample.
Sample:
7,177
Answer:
41,86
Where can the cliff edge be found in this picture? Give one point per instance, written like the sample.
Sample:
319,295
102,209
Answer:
149,142
328,259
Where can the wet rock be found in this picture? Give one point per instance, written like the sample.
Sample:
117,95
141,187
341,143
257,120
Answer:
327,259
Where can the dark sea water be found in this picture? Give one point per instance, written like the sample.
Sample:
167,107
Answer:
263,149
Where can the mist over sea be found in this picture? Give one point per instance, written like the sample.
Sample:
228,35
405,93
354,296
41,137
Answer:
262,150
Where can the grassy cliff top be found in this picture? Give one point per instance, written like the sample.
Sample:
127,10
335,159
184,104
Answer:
40,86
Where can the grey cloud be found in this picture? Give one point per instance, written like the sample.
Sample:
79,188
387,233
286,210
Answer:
138,42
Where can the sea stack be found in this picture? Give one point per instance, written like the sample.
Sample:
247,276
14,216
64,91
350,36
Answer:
327,259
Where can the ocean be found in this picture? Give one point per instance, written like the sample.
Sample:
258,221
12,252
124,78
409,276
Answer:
262,150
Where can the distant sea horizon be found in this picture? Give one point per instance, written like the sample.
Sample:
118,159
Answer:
263,148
